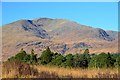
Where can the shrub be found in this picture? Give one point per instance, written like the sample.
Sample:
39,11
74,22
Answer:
33,57
27,58
58,61
117,63
84,60
69,60
46,56
81,60
20,56
11,58
101,61
16,68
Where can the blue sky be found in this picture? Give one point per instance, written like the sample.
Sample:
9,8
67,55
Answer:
96,14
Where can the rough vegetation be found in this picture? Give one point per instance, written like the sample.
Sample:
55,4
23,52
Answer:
85,60
17,69
55,65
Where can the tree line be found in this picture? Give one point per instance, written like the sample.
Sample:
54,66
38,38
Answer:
84,60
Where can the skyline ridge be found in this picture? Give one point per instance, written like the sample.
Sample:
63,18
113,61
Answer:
60,19
96,14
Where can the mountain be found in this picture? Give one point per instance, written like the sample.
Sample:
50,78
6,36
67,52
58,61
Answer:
60,35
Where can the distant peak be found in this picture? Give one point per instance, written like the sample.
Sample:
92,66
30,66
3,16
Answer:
37,19
21,21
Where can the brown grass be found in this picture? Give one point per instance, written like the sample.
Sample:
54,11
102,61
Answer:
78,72
19,69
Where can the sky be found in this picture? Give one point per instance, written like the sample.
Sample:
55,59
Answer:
59,0
95,14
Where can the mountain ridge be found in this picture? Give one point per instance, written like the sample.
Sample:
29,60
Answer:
56,19
61,35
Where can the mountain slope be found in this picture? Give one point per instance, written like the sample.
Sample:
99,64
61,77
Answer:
61,35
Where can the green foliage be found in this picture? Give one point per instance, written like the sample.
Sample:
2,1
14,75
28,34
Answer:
93,62
76,60
33,57
20,56
46,56
87,57
117,63
114,56
111,60
58,60
11,58
27,58
55,55
69,60
24,57
101,61
81,60
84,60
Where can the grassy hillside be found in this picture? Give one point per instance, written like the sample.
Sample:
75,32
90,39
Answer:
62,36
